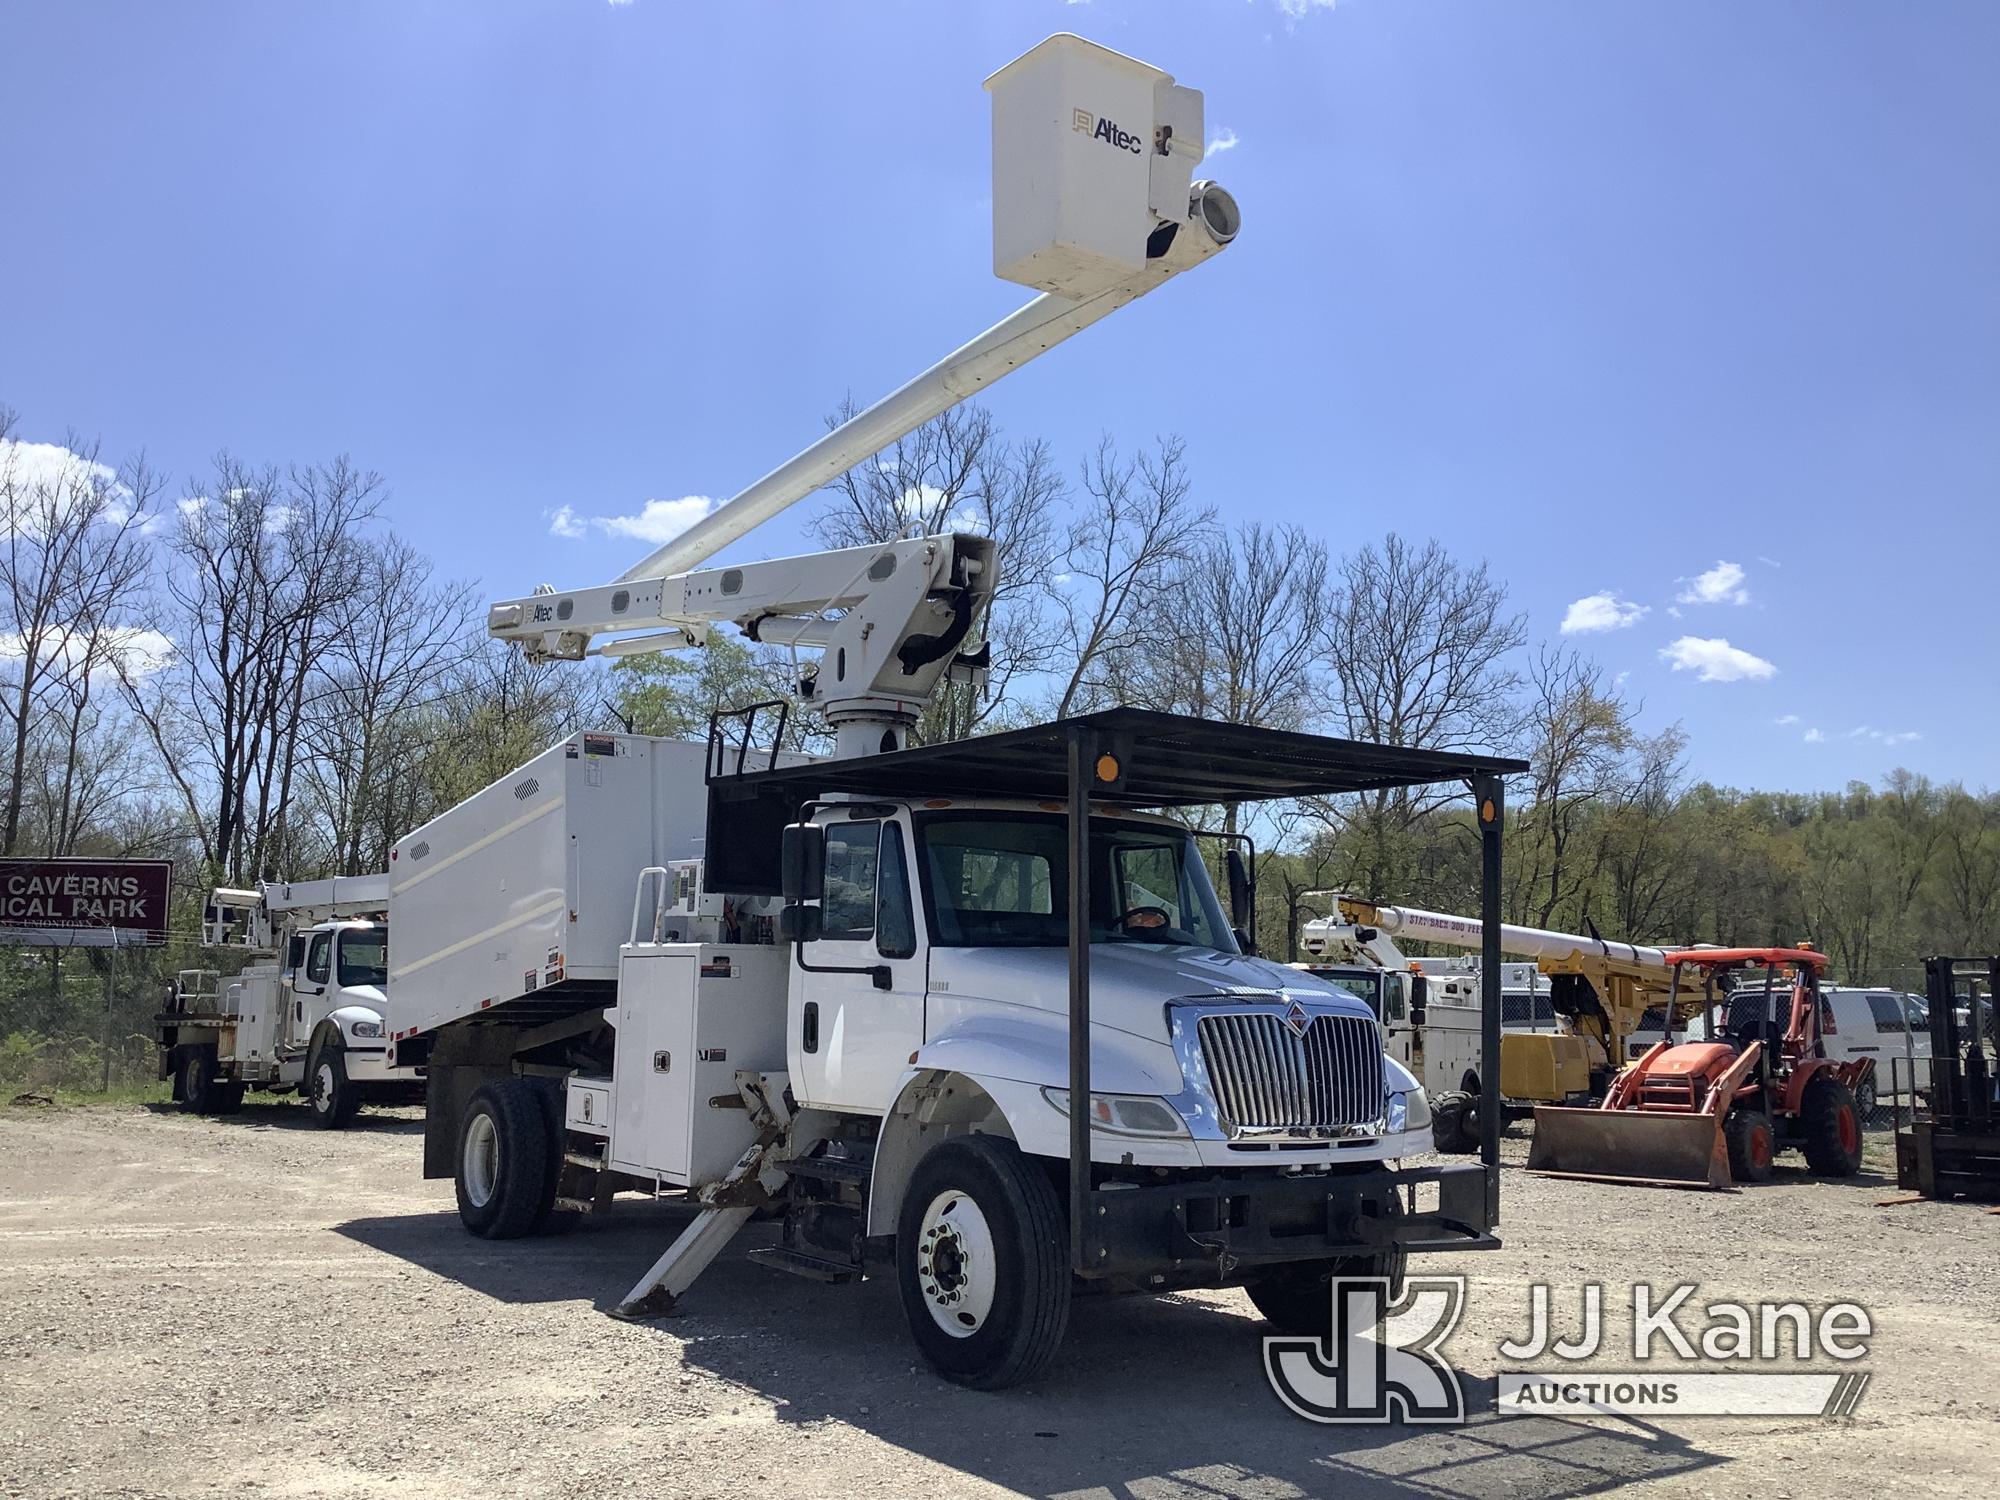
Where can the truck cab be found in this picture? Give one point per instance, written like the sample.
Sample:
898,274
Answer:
932,954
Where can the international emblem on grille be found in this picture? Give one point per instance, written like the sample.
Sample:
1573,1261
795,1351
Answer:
1297,1019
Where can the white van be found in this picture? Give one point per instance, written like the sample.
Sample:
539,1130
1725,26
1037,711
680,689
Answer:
1890,1026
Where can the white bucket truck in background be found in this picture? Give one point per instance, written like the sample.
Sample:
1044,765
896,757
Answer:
970,1014
308,1017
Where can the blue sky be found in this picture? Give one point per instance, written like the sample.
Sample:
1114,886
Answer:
1636,301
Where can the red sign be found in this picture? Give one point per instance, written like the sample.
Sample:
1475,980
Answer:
84,901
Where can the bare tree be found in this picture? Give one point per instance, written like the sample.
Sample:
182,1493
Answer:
1141,527
955,473
1418,646
394,656
71,561
1239,635
1577,735
266,567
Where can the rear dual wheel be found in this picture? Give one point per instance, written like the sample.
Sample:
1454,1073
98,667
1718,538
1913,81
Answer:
508,1160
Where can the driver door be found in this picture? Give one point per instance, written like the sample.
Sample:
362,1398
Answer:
852,1036
309,988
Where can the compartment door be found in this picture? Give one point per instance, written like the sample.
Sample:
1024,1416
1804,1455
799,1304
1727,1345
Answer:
653,1072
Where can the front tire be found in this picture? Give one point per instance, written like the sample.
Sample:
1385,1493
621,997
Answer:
335,1100
982,1262
1832,1127
1748,1135
504,1182
1298,1298
1455,1123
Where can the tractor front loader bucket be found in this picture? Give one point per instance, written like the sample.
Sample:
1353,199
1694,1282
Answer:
1654,1148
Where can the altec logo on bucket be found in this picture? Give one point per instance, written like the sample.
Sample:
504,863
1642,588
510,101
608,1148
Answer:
1085,123
1384,1361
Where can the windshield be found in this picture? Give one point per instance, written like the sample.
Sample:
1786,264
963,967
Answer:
1001,879
1363,984
364,957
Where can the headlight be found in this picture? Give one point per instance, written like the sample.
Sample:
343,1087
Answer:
1408,1111
365,1028
1129,1114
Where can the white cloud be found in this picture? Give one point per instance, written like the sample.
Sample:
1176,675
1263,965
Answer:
1721,584
1815,736
1605,611
191,505
1223,140
1769,562
1882,736
657,520
142,651
1295,9
34,474
1786,719
1715,660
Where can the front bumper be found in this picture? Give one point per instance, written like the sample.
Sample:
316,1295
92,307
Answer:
1217,1227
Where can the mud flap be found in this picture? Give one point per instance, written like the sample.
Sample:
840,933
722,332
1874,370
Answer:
1629,1145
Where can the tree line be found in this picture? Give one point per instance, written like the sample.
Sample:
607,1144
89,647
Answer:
248,671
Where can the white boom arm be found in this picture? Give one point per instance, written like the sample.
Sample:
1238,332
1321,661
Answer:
1413,924
245,918
1097,224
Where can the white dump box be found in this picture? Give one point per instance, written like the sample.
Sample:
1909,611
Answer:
528,885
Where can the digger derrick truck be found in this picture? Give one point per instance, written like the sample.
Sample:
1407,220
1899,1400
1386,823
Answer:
305,1016
971,1015
1601,991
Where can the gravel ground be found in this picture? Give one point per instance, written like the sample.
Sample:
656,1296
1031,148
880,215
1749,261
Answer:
250,1306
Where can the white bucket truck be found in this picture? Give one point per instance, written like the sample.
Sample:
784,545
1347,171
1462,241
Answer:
308,1017
969,1014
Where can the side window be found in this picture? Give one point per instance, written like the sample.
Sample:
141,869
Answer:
1888,1012
850,880
1149,875
319,959
895,917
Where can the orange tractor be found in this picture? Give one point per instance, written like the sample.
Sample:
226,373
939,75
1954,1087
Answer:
1713,1112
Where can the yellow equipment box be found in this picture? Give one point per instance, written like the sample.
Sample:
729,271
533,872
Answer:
1542,1067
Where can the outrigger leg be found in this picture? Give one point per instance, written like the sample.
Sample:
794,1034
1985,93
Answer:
754,1182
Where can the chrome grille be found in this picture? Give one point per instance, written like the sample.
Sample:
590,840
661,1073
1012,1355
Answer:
1266,1076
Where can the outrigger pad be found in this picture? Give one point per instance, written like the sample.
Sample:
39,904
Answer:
1630,1145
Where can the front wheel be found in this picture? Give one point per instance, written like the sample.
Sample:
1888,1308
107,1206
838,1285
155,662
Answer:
1298,1298
982,1262
1747,1133
1455,1122
335,1100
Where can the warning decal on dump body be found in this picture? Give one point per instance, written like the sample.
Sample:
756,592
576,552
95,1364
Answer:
715,968
599,744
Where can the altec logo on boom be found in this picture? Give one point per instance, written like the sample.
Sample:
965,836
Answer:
1085,123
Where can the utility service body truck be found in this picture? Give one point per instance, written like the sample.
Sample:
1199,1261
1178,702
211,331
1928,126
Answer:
972,1013
307,1016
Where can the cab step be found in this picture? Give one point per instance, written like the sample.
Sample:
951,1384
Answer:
801,1263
